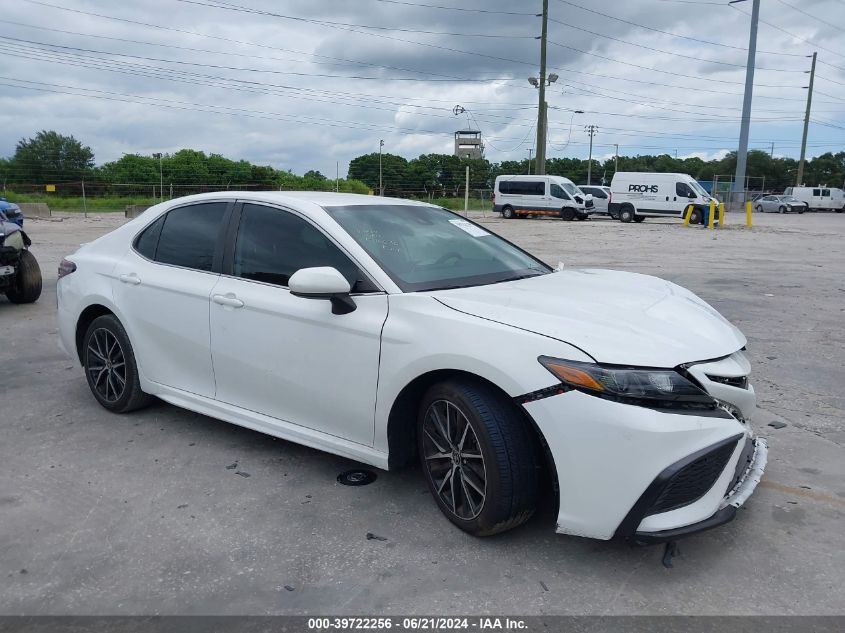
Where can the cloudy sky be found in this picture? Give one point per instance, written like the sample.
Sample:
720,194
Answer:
306,84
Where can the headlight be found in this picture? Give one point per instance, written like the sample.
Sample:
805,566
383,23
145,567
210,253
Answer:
655,388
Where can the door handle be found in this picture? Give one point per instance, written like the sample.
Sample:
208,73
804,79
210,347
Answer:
131,278
228,300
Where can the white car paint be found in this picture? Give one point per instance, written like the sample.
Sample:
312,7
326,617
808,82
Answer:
286,366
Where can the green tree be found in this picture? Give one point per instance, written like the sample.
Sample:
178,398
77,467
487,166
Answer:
365,168
51,157
312,174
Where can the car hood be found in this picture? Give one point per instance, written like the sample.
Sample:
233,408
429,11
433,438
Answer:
615,317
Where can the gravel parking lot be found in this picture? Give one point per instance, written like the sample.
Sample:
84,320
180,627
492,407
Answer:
138,514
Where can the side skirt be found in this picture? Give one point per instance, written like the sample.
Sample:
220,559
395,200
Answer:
270,426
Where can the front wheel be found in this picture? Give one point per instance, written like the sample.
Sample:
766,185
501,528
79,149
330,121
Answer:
695,216
27,286
567,214
781,209
478,457
110,367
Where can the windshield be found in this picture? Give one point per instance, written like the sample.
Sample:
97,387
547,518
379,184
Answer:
701,191
428,248
789,199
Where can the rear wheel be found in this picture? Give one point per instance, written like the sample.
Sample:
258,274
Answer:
507,213
110,367
626,214
567,213
27,286
478,457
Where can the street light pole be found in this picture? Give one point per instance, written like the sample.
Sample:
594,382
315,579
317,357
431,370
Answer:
616,158
380,185
742,153
541,105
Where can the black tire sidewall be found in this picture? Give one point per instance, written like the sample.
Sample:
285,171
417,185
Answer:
28,282
507,213
567,214
113,325
626,214
494,511
696,217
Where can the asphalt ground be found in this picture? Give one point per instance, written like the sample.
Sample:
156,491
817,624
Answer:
138,514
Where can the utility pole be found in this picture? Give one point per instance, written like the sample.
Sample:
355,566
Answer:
800,177
591,130
541,104
742,153
616,158
772,153
160,180
530,151
380,185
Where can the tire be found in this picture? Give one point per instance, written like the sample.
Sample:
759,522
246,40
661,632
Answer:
27,286
840,210
759,208
103,360
626,214
781,209
567,213
800,210
507,213
696,217
639,218
503,440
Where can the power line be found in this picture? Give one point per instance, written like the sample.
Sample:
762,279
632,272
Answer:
809,15
686,38
435,6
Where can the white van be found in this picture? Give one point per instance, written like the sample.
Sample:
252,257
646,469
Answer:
521,196
821,198
638,195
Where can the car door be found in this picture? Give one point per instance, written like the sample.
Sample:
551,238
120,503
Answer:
290,357
162,290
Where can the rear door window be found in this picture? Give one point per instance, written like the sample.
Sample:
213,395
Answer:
147,242
190,235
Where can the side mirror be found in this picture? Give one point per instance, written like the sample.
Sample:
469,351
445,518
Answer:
323,282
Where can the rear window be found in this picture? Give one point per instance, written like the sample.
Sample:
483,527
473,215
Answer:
189,236
522,187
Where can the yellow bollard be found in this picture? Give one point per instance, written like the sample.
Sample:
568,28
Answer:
748,214
711,217
687,214
721,214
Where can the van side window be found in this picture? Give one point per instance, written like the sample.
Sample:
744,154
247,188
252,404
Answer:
684,190
522,187
817,192
558,192
825,193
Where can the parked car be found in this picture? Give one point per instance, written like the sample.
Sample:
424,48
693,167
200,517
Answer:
11,211
388,330
20,276
821,198
638,195
780,204
601,196
556,196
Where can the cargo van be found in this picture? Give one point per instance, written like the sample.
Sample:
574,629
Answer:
556,196
640,195
821,198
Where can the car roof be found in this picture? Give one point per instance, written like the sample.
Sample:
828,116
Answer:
300,199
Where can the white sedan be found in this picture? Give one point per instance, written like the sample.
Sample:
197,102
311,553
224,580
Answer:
388,330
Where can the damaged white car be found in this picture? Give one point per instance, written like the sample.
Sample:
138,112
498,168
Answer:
388,331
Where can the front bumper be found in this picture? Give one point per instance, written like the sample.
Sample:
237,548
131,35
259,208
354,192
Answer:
614,460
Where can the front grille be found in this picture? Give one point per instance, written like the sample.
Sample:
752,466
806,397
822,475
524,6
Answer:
693,481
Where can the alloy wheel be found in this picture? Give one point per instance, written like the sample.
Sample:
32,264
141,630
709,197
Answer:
454,460
106,365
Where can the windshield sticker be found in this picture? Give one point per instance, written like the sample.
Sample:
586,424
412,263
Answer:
469,227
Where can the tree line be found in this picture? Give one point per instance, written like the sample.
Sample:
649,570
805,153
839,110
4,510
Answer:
53,158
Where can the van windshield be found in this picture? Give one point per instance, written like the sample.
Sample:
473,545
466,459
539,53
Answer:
569,188
701,191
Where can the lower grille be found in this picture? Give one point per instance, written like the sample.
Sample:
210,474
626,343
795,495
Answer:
693,481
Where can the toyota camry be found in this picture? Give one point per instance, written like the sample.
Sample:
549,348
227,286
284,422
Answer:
388,331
